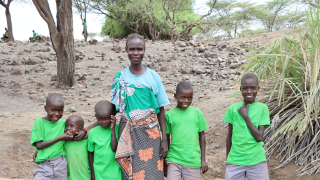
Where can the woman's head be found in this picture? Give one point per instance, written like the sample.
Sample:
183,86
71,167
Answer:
135,47
136,36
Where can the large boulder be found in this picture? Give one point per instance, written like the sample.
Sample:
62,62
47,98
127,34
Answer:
93,41
16,72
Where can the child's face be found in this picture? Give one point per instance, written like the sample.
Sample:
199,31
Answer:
184,98
54,111
135,50
249,89
104,119
73,125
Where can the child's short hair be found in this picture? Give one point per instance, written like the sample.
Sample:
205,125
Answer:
54,97
78,118
183,85
135,36
250,76
103,105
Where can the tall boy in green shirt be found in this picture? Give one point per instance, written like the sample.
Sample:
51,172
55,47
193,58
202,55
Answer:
247,121
102,144
48,137
186,125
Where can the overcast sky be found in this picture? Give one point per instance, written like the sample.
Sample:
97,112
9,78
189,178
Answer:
26,18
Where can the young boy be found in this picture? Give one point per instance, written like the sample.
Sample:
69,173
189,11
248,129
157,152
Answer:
247,121
48,137
102,144
186,124
77,151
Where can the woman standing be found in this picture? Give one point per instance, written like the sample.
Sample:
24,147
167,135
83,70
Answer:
139,95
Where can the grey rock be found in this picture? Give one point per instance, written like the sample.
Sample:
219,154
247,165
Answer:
16,72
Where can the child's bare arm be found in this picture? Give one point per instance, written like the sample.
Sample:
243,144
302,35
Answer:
229,137
114,141
256,133
165,167
202,139
91,158
45,144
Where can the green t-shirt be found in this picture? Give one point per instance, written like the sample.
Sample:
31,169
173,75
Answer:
78,160
184,127
104,164
245,150
35,35
44,130
84,26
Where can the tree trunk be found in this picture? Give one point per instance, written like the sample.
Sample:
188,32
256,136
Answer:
65,45
61,36
85,36
9,24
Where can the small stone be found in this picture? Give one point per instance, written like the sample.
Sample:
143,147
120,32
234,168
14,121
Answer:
54,78
48,74
234,65
164,68
15,86
40,84
222,46
1,85
41,100
182,44
16,72
72,109
91,58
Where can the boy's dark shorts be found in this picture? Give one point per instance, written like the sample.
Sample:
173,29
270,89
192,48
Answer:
255,172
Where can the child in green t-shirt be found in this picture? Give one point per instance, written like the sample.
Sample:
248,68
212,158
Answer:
77,151
102,144
48,137
186,125
247,121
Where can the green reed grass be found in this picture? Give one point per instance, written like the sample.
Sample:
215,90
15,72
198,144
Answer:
290,74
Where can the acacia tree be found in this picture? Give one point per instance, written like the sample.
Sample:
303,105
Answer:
82,7
61,35
270,11
171,7
6,5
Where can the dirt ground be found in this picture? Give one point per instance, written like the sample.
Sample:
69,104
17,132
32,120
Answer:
20,107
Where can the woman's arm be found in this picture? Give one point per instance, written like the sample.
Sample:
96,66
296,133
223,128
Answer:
164,143
91,158
114,141
228,141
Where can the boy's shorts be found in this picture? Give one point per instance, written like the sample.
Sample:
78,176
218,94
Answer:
177,171
54,168
236,172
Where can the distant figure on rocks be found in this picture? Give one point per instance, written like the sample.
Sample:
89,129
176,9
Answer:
34,37
5,35
84,27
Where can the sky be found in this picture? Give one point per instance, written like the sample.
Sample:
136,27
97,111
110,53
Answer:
26,18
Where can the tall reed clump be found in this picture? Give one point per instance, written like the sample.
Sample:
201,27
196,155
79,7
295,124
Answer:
289,72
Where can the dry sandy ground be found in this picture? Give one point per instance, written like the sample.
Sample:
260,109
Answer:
20,107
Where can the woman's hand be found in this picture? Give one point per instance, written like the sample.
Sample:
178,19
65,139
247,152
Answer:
164,149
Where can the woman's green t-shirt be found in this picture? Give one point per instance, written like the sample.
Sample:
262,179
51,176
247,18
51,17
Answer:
44,130
104,164
245,150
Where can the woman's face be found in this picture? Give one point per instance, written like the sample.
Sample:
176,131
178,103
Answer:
135,50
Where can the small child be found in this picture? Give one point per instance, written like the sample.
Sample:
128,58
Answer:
48,137
186,124
77,151
102,144
247,121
